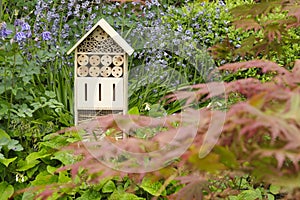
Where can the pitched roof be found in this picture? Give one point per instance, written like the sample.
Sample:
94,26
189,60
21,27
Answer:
111,32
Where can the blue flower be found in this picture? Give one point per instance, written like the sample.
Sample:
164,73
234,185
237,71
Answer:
20,36
46,35
89,10
85,4
179,28
66,27
3,31
188,32
28,34
25,26
93,16
18,22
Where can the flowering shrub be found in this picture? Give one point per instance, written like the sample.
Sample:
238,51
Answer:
209,23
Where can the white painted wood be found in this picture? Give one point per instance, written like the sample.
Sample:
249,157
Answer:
90,96
125,88
111,32
94,93
97,53
75,91
125,76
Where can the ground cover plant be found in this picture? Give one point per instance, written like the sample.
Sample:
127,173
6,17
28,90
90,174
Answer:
259,138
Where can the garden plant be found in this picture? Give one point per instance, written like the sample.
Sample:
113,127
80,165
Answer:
214,94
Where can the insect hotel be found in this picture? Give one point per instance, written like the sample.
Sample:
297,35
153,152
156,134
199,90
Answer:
101,73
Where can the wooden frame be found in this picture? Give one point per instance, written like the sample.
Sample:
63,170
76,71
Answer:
101,72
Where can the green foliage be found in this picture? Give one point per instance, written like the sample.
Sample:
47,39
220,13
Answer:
6,190
271,32
108,187
124,196
259,137
210,23
152,187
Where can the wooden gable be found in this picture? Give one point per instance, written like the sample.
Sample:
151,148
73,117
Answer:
102,38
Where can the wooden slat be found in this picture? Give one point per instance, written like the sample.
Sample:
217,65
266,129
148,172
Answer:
111,32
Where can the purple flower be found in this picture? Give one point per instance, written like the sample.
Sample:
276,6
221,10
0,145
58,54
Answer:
20,36
3,31
46,35
25,26
93,16
188,32
89,10
85,4
28,34
66,27
179,28
18,22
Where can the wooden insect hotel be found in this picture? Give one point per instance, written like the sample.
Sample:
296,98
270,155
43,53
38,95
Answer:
101,68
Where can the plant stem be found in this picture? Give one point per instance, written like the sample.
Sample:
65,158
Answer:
1,10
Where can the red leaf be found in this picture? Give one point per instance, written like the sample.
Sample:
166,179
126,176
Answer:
265,65
294,10
193,189
247,24
296,69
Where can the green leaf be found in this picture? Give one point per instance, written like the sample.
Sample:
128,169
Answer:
101,183
24,165
32,160
90,195
54,141
157,110
274,189
124,196
50,94
134,111
31,172
7,161
270,197
63,177
44,178
36,155
4,141
14,145
152,187
109,187
4,134
6,191
64,157
210,163
4,109
28,195
250,195
51,169
226,156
